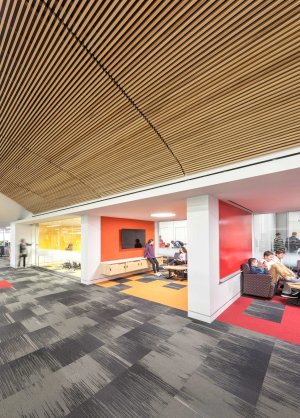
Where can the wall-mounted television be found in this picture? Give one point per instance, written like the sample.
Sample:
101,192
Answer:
133,238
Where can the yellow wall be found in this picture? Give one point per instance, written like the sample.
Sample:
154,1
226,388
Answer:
59,237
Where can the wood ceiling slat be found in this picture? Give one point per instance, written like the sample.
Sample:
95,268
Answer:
199,38
227,59
218,80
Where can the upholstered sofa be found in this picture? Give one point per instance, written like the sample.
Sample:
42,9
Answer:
256,284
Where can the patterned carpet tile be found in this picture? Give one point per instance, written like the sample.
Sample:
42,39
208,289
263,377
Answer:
266,310
68,350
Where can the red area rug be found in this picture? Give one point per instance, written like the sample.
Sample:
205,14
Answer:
4,284
288,329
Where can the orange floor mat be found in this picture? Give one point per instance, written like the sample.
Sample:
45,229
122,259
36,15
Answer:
155,292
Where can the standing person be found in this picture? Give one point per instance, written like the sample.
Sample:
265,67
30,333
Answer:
278,242
292,243
23,252
149,254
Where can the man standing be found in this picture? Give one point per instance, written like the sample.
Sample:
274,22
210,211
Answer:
278,242
23,252
292,243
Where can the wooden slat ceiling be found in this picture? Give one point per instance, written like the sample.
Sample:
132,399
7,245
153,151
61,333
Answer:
100,97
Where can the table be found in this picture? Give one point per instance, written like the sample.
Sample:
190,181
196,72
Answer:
180,269
294,285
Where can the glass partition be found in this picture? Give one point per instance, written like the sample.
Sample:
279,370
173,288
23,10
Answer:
172,236
5,241
59,246
278,231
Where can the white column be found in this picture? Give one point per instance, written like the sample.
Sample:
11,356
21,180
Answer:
207,297
156,239
18,232
90,248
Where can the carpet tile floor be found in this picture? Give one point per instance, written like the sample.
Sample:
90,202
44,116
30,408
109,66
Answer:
69,350
173,293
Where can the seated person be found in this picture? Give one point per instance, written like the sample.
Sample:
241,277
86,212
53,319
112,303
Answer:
253,265
279,256
279,270
268,260
178,260
179,257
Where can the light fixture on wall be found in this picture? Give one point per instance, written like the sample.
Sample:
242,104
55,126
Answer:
163,215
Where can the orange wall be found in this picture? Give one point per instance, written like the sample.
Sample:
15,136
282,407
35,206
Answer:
111,237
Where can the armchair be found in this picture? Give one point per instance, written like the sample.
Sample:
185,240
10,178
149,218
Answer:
256,284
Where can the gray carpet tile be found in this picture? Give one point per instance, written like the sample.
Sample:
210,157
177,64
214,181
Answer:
68,350
270,311
120,287
122,280
148,279
175,286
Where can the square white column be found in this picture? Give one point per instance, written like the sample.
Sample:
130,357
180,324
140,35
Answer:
207,296
90,248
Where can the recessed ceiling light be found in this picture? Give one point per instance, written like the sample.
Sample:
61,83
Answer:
162,215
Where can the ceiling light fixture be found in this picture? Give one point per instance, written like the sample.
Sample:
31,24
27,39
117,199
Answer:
163,215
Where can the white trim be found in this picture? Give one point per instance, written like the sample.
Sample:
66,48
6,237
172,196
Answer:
212,317
230,276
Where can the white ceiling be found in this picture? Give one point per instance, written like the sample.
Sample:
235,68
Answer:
278,192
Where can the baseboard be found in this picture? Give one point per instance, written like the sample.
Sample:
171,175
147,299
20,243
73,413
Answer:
210,318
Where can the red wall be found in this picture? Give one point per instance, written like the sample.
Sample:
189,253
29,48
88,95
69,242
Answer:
235,238
111,237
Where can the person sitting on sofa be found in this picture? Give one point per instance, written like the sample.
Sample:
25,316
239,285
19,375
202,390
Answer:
268,260
253,265
279,270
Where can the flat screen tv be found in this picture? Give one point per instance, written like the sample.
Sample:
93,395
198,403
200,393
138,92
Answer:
133,238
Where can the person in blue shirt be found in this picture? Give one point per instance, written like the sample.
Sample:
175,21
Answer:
253,264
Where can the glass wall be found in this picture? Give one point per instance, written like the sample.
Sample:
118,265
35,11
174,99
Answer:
5,241
59,246
275,231
172,235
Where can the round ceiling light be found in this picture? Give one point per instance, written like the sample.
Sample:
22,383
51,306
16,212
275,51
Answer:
162,215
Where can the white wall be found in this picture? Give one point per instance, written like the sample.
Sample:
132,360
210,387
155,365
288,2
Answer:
10,211
90,249
207,297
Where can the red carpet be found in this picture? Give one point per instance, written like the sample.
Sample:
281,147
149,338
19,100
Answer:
4,284
288,329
